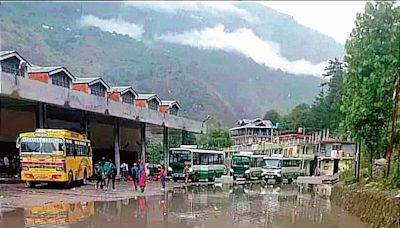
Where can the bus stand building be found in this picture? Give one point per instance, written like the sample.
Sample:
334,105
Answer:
115,119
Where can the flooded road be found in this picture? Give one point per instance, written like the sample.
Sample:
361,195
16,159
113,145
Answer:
251,205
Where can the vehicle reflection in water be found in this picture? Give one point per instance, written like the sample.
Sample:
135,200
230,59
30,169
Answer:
58,215
250,205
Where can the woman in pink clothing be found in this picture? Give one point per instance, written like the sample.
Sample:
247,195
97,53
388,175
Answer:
143,178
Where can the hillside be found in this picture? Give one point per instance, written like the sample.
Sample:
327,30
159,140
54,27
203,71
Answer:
157,56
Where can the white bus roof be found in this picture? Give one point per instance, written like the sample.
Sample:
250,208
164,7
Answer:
199,150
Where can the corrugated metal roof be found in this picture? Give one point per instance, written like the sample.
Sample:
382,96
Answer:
254,123
38,69
50,70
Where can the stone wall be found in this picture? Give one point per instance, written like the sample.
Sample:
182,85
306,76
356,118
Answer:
376,208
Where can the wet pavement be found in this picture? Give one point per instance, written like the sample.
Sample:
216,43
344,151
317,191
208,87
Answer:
220,205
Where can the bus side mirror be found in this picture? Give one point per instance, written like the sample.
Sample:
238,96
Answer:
17,144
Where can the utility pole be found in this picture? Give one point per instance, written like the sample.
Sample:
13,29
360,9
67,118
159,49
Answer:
392,134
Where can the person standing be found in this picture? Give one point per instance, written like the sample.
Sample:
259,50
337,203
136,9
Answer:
112,172
143,178
7,165
106,168
135,178
100,175
186,173
162,177
124,171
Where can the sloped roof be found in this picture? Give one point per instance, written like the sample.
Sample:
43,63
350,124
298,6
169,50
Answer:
8,54
91,81
51,70
254,123
123,90
148,97
171,103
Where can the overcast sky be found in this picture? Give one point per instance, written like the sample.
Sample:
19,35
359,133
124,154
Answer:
334,18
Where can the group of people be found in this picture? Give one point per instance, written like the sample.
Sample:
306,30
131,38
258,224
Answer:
9,166
105,172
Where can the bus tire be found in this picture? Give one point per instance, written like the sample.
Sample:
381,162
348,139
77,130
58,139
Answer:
84,180
175,180
30,184
234,178
70,181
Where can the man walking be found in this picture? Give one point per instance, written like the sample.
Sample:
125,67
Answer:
134,172
112,172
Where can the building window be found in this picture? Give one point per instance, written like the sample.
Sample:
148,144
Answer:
98,90
153,104
61,79
128,98
10,65
173,110
337,147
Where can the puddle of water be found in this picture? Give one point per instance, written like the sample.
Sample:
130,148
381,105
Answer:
251,205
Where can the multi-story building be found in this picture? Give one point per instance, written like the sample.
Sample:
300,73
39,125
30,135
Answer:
254,131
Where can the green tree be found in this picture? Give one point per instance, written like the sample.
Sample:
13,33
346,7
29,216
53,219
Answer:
216,138
155,150
372,59
298,117
272,115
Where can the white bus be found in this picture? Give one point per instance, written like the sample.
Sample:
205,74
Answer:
203,164
279,168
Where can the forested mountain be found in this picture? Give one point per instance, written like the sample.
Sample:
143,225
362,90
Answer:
229,60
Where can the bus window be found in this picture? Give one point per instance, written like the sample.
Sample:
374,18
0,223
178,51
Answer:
196,159
180,157
204,159
220,159
240,160
259,162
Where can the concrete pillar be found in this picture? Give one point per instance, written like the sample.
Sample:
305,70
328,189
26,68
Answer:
116,144
143,141
84,123
165,145
41,116
184,137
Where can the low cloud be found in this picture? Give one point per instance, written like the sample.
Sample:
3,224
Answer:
245,42
215,7
113,25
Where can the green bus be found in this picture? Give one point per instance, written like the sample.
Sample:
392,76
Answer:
246,165
203,164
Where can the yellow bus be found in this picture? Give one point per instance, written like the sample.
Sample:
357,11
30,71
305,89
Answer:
54,156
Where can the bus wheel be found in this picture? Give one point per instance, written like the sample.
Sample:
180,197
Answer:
212,178
234,178
175,180
84,181
70,180
195,178
30,184
290,180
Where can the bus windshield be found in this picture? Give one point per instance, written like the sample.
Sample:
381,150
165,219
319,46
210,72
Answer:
272,163
240,160
41,145
180,156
